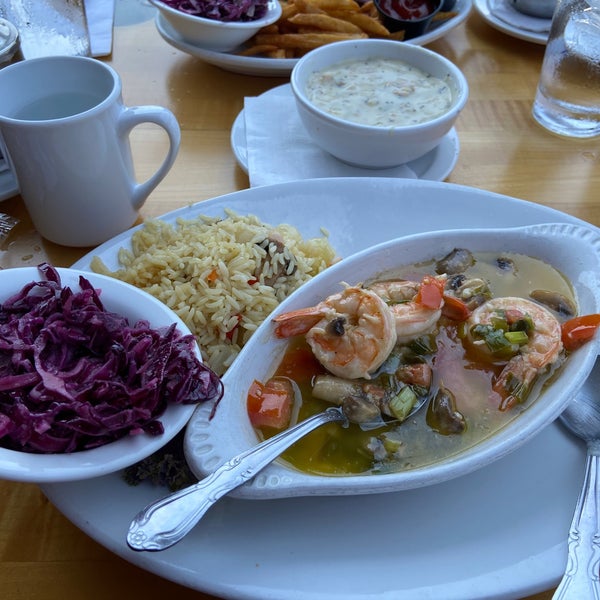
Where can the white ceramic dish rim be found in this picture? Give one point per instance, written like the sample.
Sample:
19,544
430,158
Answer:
436,165
482,7
43,468
378,48
495,559
273,13
573,250
279,67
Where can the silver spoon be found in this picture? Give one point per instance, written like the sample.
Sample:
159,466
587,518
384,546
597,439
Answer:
582,576
167,520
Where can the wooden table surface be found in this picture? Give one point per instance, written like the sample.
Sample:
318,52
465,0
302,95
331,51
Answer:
42,554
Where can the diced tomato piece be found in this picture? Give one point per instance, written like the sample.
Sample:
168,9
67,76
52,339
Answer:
455,309
431,292
270,404
576,332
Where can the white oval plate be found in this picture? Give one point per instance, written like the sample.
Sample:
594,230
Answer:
499,533
134,304
282,67
436,165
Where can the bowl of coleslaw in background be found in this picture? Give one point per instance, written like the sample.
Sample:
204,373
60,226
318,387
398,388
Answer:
377,103
130,416
220,26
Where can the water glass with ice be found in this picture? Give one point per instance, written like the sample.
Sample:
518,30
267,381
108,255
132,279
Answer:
567,100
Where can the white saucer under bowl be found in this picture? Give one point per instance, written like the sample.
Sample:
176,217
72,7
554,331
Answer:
436,165
505,18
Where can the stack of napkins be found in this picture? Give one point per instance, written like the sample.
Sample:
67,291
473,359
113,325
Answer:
279,149
503,10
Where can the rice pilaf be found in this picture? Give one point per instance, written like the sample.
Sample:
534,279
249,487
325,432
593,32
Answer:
222,276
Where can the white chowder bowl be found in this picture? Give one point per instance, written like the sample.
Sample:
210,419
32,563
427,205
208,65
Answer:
372,146
211,34
572,250
134,304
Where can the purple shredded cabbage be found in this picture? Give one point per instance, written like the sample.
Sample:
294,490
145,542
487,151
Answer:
74,376
221,10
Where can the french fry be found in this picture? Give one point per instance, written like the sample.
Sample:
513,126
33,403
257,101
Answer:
328,5
368,8
305,41
308,7
270,29
278,53
442,16
366,23
257,49
288,9
396,35
308,24
325,22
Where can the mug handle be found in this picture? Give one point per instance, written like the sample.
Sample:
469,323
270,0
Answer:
136,115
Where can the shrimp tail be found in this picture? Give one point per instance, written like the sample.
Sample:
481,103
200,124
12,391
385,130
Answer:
514,383
297,322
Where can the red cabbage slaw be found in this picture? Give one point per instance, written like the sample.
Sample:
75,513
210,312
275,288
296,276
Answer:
221,10
75,376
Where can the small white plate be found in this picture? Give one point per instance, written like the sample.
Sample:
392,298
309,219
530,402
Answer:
436,165
483,8
282,67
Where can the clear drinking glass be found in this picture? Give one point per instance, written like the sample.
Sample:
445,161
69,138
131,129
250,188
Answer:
567,101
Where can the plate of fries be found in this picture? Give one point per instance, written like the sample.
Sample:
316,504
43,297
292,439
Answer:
305,25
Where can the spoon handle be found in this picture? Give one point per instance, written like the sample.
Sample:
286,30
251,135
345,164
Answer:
582,577
167,520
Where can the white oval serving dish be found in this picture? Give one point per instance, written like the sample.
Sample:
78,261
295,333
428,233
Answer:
573,250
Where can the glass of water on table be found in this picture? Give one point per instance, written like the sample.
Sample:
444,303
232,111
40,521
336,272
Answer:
567,100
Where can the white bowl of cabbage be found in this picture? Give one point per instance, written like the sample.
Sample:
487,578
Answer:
486,332
95,374
216,25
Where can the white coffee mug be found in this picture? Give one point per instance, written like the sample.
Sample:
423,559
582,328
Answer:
65,132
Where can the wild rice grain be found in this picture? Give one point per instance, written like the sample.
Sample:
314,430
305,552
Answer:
215,275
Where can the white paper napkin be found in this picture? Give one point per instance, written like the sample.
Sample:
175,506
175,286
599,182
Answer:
100,15
279,149
507,13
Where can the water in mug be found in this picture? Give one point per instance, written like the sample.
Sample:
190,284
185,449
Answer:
568,95
57,106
